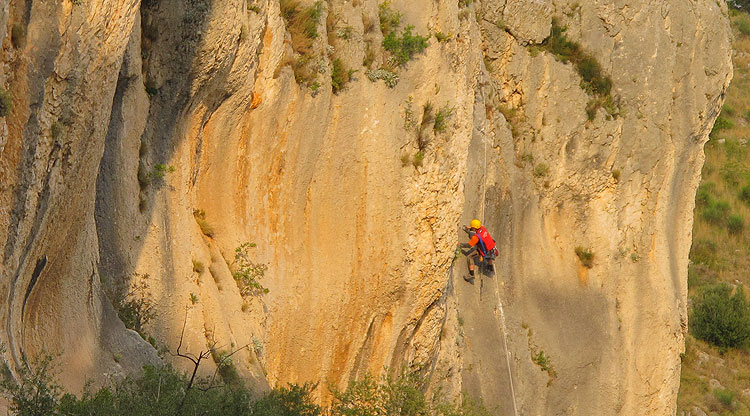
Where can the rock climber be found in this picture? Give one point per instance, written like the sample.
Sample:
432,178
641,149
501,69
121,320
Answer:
481,247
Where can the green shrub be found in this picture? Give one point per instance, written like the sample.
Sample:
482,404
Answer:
735,223
542,361
586,256
616,175
402,395
225,366
345,32
721,123
734,151
443,37
35,393
744,194
17,35
302,24
716,212
247,273
593,79
151,88
703,251
734,172
724,396
164,391
339,76
441,118
390,19
405,159
160,170
418,159
56,131
403,48
389,77
6,102
193,298
721,318
727,110
133,302
743,25
200,219
198,266
541,170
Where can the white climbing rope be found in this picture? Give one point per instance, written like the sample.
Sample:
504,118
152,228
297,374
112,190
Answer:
497,288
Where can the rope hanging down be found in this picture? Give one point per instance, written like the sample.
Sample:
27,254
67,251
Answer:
497,289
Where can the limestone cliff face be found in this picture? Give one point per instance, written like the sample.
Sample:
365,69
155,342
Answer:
129,117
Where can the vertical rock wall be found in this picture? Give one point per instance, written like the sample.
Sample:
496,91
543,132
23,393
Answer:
167,108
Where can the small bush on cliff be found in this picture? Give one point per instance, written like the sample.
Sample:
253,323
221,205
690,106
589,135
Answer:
722,318
716,212
339,76
403,47
593,79
247,273
133,302
301,23
735,223
6,102
17,35
200,219
585,256
390,19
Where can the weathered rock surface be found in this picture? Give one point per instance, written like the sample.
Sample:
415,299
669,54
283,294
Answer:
360,248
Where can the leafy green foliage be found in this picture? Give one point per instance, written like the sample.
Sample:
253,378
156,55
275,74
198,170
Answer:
247,273
35,393
17,35
339,76
443,37
133,302
402,395
390,19
593,79
744,194
206,228
418,159
6,102
403,47
542,361
724,396
735,223
721,123
586,256
293,400
541,170
161,390
743,25
441,118
302,23
716,212
722,318
389,77
225,365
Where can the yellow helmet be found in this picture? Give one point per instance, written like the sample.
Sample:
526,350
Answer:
475,223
